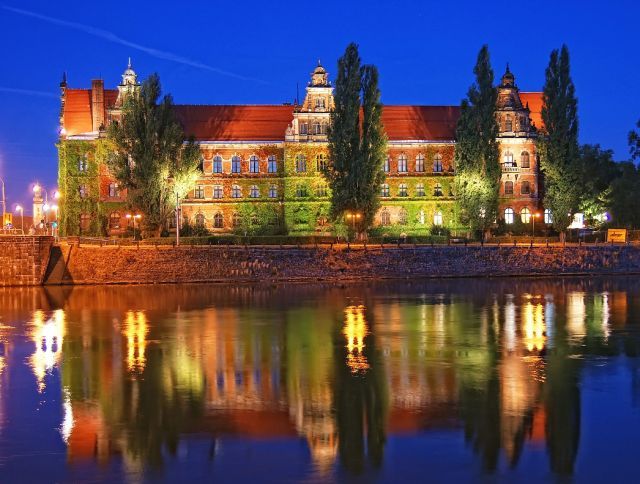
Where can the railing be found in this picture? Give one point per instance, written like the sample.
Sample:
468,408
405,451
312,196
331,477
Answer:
510,169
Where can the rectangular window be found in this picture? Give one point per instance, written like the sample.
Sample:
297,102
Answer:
387,164
199,192
235,164
272,166
525,188
217,191
303,128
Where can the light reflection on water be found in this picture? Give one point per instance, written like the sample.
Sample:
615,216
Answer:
463,378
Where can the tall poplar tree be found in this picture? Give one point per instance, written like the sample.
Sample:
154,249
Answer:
357,151
558,145
153,159
477,152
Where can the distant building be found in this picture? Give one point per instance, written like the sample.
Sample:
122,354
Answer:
262,164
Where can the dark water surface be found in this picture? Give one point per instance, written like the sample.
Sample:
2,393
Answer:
441,381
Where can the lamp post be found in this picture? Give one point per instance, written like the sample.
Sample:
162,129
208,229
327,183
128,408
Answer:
21,210
4,203
533,224
134,217
353,217
177,220
37,190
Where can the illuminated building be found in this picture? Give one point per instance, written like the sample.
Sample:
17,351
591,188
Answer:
269,159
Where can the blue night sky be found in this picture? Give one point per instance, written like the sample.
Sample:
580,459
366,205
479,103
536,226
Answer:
220,52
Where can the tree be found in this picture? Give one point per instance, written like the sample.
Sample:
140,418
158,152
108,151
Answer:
634,143
624,197
595,170
357,152
558,145
153,159
477,152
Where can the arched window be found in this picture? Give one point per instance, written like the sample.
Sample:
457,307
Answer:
548,216
524,160
387,164
384,190
402,190
508,188
218,220
508,123
321,189
254,164
236,164
321,162
217,164
421,217
508,216
402,163
85,222
236,191
437,218
254,192
508,158
301,163
420,190
525,215
273,191
420,163
114,220
272,165
236,219
403,216
437,190
217,191
385,217
437,163
525,188
199,220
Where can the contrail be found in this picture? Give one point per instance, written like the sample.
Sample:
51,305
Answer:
29,92
111,37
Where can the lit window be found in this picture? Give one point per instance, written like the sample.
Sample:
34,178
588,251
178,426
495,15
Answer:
301,191
272,165
301,163
113,190
402,163
437,163
217,191
437,218
254,192
437,190
273,191
384,190
321,162
198,192
218,221
548,217
83,164
508,216
385,217
320,102
403,216
236,164
420,190
321,190
254,164
402,190
420,163
236,191
525,188
508,123
525,215
524,159
217,164
199,220
421,217
114,220
508,158
387,163
508,188
82,191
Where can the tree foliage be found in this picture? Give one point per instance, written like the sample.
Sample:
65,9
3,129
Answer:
558,147
477,152
357,151
634,142
153,160
624,197
595,170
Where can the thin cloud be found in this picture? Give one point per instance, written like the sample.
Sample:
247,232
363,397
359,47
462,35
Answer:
29,92
111,37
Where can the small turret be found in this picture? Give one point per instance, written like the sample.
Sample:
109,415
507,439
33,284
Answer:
129,84
508,79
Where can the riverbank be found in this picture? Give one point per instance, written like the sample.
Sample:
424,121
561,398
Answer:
71,264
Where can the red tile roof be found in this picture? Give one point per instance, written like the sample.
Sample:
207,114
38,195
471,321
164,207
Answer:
77,109
235,123
436,123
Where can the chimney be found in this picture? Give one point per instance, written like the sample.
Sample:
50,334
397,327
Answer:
97,104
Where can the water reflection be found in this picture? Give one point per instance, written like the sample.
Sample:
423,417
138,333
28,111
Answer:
144,371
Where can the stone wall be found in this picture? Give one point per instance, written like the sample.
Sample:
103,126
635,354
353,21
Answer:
98,265
23,260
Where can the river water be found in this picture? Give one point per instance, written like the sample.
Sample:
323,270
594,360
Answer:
441,381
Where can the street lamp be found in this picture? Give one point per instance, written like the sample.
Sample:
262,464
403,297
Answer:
4,202
37,189
533,224
353,217
133,217
21,210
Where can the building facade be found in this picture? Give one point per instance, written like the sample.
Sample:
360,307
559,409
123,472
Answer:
262,165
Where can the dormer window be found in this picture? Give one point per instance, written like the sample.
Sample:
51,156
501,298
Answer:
320,103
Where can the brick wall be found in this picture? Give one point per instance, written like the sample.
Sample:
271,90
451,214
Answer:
95,265
23,260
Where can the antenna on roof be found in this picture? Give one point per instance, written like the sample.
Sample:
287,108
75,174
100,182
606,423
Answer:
297,93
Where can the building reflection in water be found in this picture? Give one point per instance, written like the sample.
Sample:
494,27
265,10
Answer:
340,374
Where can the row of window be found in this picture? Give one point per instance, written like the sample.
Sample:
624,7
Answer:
403,217
508,123
321,190
419,163
236,220
525,188
313,128
526,216
525,161
403,190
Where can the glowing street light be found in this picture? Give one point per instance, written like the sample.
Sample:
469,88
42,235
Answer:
134,217
21,210
353,216
533,223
